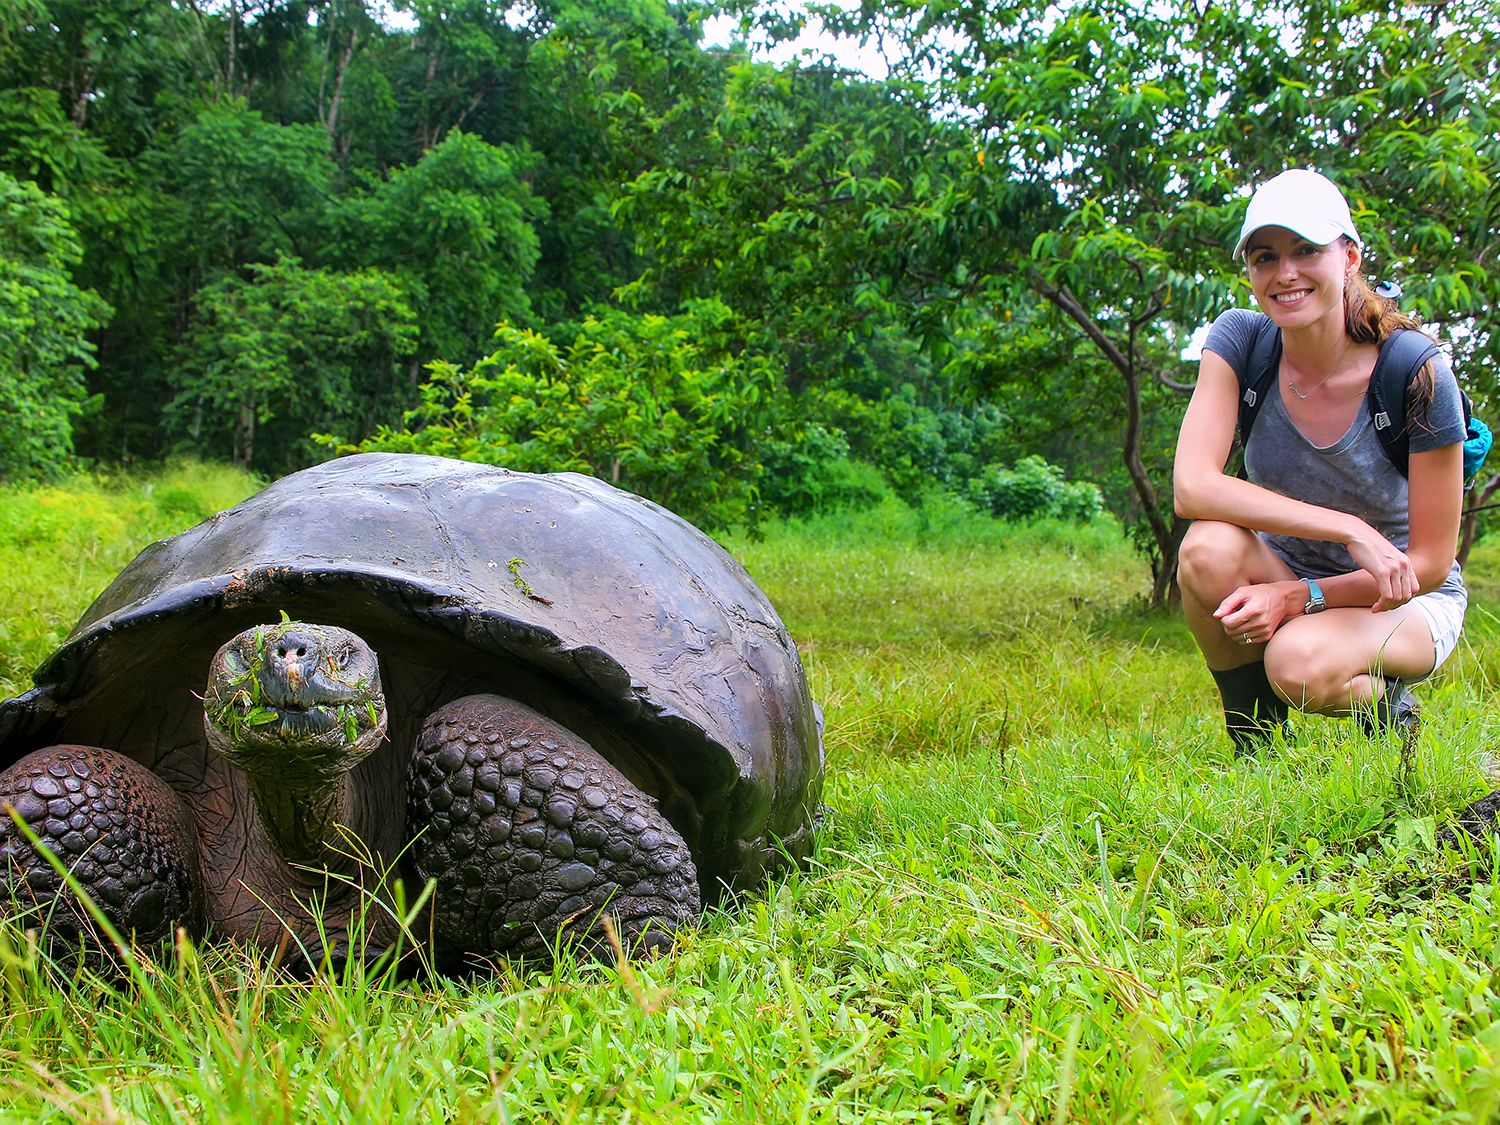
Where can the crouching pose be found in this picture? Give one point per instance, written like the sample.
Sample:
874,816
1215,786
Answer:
1326,580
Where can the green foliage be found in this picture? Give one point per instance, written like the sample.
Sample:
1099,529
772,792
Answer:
634,400
804,199
43,145
243,189
809,470
455,232
916,446
917,449
1033,489
306,348
191,141
44,319
1047,892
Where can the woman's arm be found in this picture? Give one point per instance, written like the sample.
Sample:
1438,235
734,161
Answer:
1202,490
1434,509
1435,500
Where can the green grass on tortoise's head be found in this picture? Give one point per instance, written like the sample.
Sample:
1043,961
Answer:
295,697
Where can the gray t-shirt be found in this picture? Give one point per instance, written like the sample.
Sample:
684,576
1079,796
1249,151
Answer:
1352,475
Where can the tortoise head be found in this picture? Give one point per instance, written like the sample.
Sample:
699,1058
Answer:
295,702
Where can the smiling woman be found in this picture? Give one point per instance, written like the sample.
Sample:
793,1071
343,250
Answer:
1325,580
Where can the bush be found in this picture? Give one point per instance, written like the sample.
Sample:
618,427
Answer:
44,321
810,471
1033,489
633,400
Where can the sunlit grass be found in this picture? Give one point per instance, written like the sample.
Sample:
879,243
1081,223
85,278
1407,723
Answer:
1046,892
61,545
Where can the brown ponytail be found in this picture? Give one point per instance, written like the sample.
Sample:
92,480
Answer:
1370,319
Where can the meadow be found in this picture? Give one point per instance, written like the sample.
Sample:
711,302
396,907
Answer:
1046,891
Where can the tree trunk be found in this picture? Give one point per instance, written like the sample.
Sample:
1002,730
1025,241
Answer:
245,445
1469,529
340,71
234,19
1168,537
428,131
1164,588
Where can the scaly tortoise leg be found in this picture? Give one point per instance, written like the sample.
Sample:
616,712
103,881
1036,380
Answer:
122,832
530,834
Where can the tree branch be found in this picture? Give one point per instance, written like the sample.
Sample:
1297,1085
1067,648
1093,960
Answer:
1167,537
338,82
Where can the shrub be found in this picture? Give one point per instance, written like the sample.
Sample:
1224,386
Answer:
810,470
633,400
1034,489
44,319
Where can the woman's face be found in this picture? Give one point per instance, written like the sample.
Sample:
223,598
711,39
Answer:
1298,283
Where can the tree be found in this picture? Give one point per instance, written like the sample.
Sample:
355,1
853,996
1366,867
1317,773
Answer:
1106,149
804,199
313,349
194,141
455,229
44,319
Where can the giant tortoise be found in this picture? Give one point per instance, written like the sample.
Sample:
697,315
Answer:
556,701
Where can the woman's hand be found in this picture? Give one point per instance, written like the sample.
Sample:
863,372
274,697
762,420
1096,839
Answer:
1395,576
1252,614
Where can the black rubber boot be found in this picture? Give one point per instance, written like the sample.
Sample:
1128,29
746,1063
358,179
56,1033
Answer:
1394,709
1252,709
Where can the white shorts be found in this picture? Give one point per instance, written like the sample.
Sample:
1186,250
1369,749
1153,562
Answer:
1443,608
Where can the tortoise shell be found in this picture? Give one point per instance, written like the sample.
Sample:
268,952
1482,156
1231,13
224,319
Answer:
598,608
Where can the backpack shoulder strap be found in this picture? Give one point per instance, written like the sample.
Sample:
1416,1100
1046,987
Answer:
1258,375
1401,357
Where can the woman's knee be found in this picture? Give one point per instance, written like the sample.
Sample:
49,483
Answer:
1306,673
1213,557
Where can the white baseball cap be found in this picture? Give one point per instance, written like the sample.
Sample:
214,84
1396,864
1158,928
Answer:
1303,201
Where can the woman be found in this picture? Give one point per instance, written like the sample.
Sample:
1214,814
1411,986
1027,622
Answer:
1326,580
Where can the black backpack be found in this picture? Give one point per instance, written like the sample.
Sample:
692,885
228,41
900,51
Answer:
1401,358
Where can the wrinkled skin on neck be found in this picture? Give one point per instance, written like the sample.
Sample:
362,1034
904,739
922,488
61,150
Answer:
295,707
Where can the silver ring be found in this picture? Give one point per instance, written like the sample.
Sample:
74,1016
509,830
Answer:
1246,636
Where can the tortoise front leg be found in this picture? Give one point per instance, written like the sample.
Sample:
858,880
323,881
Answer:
531,834
121,831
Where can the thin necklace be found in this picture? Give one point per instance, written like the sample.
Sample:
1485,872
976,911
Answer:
1320,382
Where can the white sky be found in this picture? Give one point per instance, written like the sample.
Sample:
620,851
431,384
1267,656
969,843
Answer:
814,43
1194,348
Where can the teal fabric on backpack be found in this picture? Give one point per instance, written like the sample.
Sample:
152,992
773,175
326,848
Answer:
1476,448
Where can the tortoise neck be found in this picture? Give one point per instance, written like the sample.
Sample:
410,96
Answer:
309,821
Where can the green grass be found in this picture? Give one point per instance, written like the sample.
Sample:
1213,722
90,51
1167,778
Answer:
1047,892
61,545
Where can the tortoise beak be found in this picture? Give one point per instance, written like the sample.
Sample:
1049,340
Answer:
302,668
